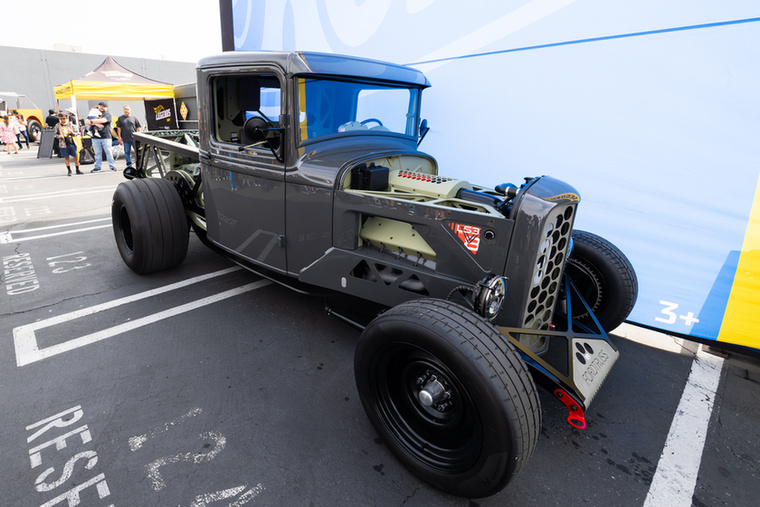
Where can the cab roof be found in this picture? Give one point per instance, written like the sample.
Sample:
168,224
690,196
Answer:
326,64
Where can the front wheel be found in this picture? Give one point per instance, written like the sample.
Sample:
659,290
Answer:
605,278
33,129
149,224
449,395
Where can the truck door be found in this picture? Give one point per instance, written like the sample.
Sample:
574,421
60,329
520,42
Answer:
244,186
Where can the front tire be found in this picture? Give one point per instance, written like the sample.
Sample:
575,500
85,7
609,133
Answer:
605,278
33,129
474,440
149,225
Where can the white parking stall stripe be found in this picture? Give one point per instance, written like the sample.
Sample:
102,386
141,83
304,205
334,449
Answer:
58,226
676,475
25,341
28,352
60,193
17,236
9,237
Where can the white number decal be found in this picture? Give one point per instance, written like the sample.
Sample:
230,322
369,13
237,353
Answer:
668,310
688,318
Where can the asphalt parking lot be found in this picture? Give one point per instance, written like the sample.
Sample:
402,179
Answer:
207,385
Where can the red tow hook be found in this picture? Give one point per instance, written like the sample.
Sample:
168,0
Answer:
577,419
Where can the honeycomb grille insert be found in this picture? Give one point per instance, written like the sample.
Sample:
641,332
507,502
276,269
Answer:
547,272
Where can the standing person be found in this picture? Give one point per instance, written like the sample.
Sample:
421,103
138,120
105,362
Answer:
127,125
66,133
102,143
8,136
22,130
14,125
51,120
71,112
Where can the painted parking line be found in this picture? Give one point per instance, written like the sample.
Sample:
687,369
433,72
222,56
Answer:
59,193
676,475
28,350
21,235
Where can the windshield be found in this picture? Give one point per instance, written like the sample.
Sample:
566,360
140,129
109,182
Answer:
331,106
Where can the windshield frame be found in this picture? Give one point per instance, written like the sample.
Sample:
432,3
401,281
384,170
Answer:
302,109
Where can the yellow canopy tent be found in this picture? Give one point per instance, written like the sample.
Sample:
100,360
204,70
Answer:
112,81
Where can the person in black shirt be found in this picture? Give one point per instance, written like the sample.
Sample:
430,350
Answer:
52,120
127,125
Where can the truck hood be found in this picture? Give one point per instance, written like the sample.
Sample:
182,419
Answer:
324,162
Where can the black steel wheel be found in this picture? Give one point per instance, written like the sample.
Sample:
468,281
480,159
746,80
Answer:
449,395
149,224
605,278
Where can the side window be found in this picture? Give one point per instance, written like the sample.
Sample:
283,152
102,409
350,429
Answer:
247,110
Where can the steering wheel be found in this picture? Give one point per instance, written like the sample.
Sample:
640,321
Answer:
265,117
253,133
369,120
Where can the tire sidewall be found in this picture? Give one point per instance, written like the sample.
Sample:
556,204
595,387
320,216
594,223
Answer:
157,222
34,128
124,201
493,467
615,274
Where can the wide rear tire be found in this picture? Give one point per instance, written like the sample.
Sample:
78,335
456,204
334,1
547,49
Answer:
149,225
472,442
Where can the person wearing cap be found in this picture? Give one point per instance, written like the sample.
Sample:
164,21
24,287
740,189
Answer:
52,119
66,133
103,143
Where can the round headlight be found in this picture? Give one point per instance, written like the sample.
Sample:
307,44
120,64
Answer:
489,296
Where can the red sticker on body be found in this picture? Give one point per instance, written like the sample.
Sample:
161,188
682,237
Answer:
469,235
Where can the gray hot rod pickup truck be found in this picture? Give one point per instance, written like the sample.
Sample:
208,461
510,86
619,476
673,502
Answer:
305,169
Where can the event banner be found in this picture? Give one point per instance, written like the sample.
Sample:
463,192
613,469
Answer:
160,114
649,109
